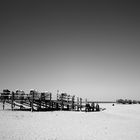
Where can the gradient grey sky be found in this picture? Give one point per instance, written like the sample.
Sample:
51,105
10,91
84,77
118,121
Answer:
86,48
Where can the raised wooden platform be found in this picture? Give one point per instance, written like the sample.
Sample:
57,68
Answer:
36,101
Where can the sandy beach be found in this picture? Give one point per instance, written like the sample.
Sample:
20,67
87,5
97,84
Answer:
119,122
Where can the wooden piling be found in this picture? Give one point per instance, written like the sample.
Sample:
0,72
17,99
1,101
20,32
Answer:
57,106
72,102
92,106
39,104
86,106
50,101
77,103
12,101
62,102
68,97
3,104
80,104
32,101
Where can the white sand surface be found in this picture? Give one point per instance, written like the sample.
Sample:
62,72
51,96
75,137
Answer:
119,122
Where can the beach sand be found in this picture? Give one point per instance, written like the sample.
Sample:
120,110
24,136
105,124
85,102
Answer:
119,122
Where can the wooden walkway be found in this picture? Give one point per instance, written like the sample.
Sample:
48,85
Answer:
36,101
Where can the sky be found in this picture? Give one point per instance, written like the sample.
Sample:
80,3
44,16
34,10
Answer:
90,49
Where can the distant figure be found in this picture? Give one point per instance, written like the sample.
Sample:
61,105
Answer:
97,107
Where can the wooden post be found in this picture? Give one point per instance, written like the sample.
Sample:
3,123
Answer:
32,101
77,103
52,105
61,101
12,99
45,104
39,104
50,100
57,105
3,100
3,104
68,96
80,104
40,101
86,109
73,102
92,106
